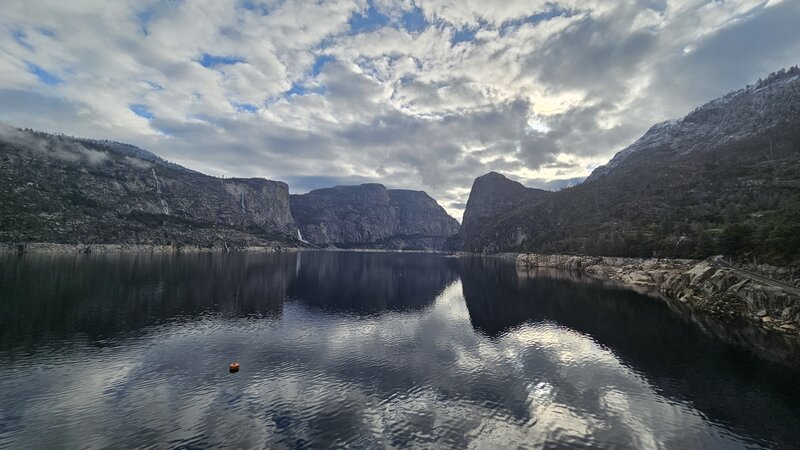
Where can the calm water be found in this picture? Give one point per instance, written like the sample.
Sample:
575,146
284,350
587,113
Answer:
365,350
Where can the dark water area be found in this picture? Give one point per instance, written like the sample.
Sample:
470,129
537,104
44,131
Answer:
367,350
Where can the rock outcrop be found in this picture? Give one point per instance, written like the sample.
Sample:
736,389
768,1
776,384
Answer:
56,189
494,197
703,285
371,216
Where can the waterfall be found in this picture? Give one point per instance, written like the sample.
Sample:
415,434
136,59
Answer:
300,237
164,205
158,185
241,198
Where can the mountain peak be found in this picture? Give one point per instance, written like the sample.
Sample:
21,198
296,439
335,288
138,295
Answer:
493,193
732,117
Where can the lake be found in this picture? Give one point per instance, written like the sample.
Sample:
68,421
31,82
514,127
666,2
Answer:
368,350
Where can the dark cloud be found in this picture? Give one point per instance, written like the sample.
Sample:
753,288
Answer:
598,54
730,58
580,132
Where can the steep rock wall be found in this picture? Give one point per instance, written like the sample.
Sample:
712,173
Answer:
369,215
64,190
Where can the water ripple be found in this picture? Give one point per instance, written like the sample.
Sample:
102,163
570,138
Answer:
342,351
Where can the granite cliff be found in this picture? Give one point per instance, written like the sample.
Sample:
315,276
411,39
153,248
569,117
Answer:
492,198
64,190
371,216
61,193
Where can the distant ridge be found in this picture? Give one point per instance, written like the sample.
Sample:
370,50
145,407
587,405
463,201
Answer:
369,215
64,190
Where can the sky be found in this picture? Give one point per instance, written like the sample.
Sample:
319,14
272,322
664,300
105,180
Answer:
416,94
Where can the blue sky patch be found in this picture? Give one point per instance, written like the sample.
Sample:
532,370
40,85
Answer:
300,90
464,35
210,61
144,18
44,76
297,89
414,21
22,39
511,25
256,7
141,110
245,107
319,62
371,20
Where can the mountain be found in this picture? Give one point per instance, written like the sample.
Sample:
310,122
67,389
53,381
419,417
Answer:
369,215
725,178
737,116
59,189
492,198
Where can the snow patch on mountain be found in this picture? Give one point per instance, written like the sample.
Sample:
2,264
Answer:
729,118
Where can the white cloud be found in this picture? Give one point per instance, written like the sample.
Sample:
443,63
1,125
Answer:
429,108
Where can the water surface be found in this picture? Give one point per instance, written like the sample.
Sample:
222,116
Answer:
365,350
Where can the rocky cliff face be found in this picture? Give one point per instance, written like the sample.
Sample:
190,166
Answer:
370,215
64,190
733,161
492,198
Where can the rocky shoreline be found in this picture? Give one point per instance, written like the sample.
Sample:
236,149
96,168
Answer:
705,286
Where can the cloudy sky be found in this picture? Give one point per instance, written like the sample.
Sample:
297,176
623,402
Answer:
421,94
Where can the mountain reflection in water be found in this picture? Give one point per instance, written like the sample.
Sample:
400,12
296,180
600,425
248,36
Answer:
365,350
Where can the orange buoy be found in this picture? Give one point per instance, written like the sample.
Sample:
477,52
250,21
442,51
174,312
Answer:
234,367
